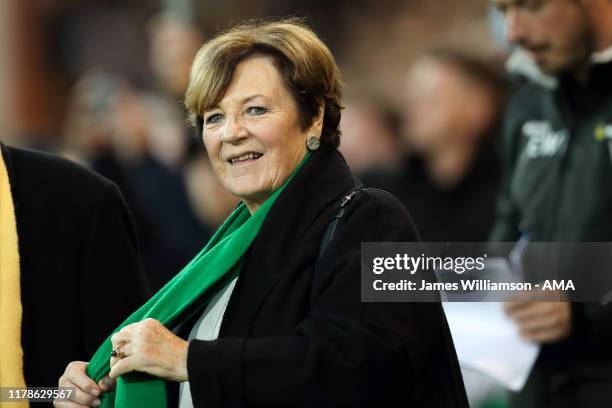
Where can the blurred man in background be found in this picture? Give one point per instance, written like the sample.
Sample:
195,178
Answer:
600,17
140,140
558,167
449,179
173,43
184,184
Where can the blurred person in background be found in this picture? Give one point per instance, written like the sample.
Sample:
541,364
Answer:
449,178
138,140
159,183
173,42
66,236
600,19
370,134
556,185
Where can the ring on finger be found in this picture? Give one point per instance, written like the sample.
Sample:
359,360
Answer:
118,352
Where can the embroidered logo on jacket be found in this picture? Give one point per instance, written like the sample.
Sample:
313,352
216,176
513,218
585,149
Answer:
603,132
543,141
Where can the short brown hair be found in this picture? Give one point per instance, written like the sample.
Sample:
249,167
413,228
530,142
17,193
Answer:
302,59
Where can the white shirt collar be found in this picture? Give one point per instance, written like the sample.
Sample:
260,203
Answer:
602,57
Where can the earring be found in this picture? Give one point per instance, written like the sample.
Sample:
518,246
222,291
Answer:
313,143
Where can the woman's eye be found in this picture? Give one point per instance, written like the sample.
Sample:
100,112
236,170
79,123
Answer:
214,118
256,110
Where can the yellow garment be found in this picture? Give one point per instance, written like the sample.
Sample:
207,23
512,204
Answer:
11,353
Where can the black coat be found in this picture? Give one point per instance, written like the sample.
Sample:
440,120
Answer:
80,271
296,333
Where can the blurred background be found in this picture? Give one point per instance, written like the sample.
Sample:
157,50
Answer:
102,81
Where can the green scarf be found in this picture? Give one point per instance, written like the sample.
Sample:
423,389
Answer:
185,294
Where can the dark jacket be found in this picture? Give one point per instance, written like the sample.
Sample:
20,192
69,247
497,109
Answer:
558,162
80,272
296,333
557,186
462,213
169,233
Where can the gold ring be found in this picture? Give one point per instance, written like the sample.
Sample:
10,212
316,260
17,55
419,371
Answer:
118,352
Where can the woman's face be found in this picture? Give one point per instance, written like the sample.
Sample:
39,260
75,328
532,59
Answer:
253,135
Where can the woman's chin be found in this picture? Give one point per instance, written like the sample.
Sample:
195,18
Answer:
248,194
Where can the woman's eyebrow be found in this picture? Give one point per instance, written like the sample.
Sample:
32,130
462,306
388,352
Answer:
242,101
250,98
211,108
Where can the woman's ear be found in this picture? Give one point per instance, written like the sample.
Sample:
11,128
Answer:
317,122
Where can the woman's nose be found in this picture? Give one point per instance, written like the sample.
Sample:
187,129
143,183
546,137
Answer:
234,130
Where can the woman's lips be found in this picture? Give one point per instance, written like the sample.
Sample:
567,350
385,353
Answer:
245,162
244,158
243,167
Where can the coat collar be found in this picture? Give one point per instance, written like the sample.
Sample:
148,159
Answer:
602,57
312,194
321,182
520,63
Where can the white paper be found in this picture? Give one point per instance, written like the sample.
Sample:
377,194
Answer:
486,340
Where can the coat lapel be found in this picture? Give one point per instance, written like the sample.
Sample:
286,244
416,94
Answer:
312,193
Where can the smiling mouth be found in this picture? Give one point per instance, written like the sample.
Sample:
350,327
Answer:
245,157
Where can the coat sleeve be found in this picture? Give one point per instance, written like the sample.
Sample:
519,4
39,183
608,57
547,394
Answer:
345,353
110,269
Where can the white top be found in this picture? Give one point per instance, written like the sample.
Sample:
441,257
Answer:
602,57
207,328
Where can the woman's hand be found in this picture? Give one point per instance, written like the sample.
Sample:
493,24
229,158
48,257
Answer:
87,391
151,348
